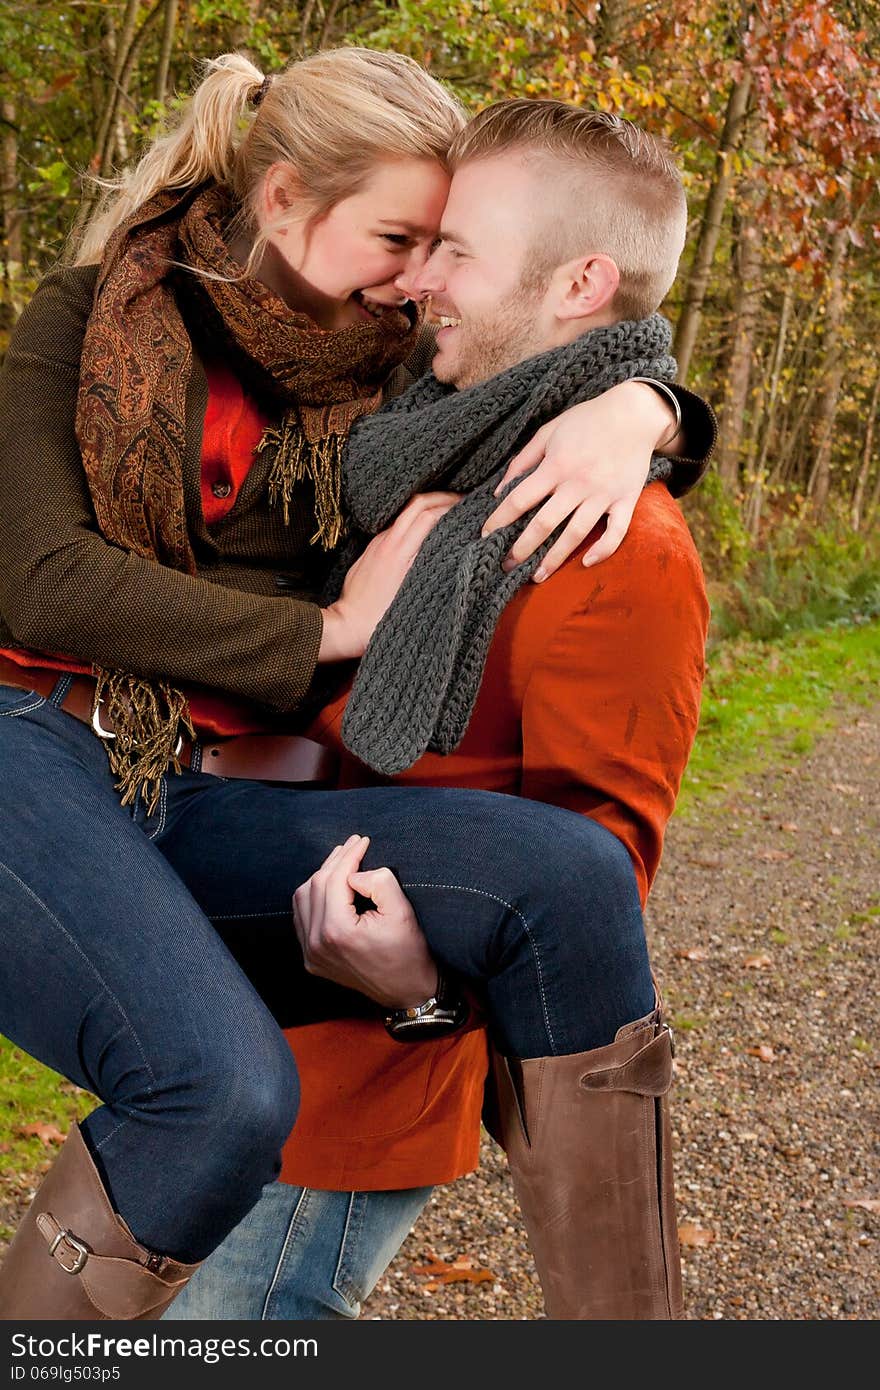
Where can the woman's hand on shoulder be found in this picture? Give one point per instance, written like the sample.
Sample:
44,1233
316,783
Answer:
590,462
375,577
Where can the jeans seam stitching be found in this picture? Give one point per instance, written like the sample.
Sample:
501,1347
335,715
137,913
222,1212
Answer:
163,806
60,690
27,709
97,974
243,916
343,1264
283,1255
108,1137
483,893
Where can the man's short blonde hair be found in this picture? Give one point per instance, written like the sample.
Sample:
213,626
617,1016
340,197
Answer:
618,191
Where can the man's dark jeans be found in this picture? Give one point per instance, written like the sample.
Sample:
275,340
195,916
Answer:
127,943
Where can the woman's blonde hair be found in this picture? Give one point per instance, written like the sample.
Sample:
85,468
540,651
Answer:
332,117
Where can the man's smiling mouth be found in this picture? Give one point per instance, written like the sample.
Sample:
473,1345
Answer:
441,317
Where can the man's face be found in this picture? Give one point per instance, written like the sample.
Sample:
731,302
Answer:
478,276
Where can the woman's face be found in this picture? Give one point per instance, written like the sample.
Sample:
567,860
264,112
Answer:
343,266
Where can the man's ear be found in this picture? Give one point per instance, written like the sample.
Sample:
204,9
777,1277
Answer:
588,286
281,191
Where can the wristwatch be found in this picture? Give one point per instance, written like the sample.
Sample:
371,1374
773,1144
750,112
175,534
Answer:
443,1013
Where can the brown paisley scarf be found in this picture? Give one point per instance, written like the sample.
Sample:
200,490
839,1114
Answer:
131,419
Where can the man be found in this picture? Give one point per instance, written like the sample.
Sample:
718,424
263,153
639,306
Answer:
559,223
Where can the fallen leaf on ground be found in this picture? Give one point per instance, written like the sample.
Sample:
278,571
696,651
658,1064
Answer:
790,826
693,953
50,1134
713,861
689,1234
773,854
845,788
836,830
867,1203
762,1052
760,962
459,1271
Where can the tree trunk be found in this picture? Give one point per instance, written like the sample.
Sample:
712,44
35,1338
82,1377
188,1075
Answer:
242,32
710,227
169,24
875,498
612,26
13,218
329,21
826,409
127,44
766,424
105,144
305,24
867,459
749,293
804,372
13,298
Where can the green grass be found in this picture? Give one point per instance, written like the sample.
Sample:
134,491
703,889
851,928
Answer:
764,703
32,1095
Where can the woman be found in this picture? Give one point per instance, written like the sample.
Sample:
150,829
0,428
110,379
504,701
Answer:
172,428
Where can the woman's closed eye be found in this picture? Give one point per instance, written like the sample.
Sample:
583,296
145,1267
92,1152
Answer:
397,238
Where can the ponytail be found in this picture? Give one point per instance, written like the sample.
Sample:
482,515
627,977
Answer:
201,144
332,117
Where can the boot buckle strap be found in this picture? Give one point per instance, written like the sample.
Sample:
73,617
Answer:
82,1251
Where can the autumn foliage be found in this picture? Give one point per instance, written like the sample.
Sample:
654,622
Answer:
772,107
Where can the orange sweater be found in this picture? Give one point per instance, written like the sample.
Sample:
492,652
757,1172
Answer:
590,700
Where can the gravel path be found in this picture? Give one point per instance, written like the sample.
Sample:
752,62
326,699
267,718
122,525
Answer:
763,926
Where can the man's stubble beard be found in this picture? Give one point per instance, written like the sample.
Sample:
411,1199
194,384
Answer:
490,344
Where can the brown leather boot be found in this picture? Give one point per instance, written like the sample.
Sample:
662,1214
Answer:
587,1138
74,1259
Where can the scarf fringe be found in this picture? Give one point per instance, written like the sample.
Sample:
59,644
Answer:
297,459
147,720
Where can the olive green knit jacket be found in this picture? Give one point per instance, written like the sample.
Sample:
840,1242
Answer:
247,622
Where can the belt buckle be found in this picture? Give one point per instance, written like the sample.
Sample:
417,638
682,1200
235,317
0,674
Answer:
107,734
82,1251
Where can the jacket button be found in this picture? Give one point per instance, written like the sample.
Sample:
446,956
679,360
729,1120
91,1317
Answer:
221,489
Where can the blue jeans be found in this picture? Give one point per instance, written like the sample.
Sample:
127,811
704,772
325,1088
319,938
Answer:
301,1254
150,958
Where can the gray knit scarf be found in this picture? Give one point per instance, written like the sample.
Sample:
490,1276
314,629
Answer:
419,677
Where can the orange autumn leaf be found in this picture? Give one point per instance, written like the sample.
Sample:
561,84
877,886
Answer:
763,1052
458,1271
693,1236
772,855
693,953
50,1134
866,1203
759,962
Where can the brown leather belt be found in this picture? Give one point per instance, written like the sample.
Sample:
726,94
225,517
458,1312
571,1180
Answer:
288,758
